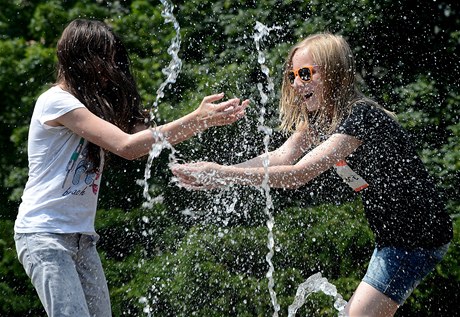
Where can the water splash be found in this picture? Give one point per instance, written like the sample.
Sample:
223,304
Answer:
313,284
171,72
155,151
316,282
175,65
261,32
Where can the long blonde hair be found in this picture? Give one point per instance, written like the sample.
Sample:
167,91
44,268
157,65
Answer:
336,65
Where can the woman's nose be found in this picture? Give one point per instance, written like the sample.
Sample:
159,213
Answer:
298,83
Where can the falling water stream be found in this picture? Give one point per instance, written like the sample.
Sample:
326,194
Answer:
171,72
314,283
261,31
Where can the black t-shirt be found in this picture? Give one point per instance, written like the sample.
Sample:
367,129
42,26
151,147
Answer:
401,204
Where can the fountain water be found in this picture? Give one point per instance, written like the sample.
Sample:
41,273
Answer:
314,283
262,31
171,71
175,65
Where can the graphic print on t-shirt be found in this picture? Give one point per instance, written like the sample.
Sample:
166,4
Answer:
73,159
81,172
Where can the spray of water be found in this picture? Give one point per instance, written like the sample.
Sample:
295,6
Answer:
175,65
171,72
316,282
262,31
313,284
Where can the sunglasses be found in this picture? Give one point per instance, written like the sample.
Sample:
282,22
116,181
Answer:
305,73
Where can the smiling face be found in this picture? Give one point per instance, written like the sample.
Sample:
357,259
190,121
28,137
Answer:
308,93
319,103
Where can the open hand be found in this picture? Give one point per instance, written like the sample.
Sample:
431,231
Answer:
226,112
198,176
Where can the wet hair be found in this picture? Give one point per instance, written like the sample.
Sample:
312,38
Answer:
336,64
94,66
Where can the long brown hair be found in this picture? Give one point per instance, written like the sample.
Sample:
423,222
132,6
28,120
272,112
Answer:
94,66
338,74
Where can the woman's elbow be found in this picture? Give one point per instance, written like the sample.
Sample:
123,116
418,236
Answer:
294,185
123,153
130,156
127,152
293,182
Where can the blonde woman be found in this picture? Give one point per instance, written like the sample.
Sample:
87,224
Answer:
333,125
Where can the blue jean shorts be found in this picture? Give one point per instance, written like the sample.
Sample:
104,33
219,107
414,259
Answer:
396,272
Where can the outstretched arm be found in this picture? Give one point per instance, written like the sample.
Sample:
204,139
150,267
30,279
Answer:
131,146
315,162
205,116
287,154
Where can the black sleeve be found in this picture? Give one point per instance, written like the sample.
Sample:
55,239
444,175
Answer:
365,123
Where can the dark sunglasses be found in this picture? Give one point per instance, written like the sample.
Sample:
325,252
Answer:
305,73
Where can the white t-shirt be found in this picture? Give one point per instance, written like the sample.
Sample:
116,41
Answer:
61,193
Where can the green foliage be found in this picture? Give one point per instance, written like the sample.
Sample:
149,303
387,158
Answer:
432,113
48,20
216,271
204,253
220,271
18,296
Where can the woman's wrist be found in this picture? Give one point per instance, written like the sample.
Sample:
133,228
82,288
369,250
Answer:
198,123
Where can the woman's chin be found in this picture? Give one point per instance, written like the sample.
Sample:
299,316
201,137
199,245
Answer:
312,107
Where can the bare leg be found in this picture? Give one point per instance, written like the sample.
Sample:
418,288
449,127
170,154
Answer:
369,302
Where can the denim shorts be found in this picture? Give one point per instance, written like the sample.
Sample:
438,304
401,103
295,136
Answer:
396,272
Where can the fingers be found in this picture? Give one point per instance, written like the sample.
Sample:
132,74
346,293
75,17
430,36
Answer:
212,98
227,117
227,106
245,103
192,176
180,172
239,110
190,183
186,173
230,111
222,113
194,184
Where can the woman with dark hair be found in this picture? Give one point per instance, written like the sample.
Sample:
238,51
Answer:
93,108
334,126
